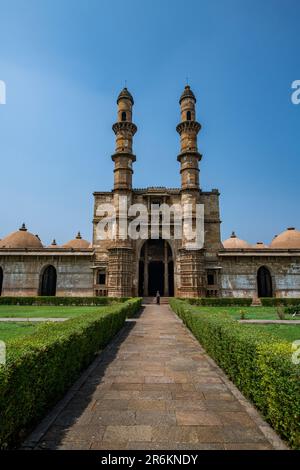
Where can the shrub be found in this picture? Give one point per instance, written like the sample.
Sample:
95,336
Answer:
41,367
220,301
44,300
274,301
292,310
280,312
259,364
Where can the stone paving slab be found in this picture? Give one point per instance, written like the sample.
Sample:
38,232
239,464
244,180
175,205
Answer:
154,387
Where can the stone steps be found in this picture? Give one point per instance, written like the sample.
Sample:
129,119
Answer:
152,300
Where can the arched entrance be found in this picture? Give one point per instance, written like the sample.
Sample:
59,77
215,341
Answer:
264,282
1,279
48,281
156,269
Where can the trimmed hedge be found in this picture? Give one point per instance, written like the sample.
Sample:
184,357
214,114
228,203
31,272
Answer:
279,301
42,366
258,363
44,300
220,301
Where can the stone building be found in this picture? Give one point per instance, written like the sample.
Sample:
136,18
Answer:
122,266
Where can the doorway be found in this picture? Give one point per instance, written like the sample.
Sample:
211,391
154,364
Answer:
156,278
156,269
48,281
264,282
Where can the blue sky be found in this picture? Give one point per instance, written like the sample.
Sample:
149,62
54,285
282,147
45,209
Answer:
64,62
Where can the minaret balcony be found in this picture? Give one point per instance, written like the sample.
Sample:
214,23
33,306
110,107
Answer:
124,126
186,126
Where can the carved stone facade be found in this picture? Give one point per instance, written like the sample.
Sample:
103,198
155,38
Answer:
124,267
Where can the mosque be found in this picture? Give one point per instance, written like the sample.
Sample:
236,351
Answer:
125,268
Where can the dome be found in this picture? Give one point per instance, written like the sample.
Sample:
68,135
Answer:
125,94
187,93
290,238
235,242
21,239
78,243
260,245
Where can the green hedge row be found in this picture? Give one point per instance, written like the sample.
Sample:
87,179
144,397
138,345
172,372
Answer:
278,301
220,301
42,366
259,364
44,300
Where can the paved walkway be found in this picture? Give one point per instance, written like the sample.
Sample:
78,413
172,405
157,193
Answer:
154,388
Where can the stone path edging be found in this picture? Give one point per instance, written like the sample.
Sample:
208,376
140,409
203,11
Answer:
32,320
270,322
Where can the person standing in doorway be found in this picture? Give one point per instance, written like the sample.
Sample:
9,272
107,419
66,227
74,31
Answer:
158,297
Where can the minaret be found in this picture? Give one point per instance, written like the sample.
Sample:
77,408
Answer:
120,264
191,261
188,130
124,130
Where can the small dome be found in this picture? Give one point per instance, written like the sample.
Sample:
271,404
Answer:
290,238
187,93
260,245
21,239
235,242
78,243
125,94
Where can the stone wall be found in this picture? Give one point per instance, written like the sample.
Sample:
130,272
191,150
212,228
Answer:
239,274
22,274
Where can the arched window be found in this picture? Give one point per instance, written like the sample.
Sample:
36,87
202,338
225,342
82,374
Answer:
48,281
188,116
123,116
1,279
264,282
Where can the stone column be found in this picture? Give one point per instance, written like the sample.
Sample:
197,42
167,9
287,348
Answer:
166,272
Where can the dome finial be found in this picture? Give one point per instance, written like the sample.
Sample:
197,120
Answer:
23,228
78,236
187,93
125,94
53,242
233,235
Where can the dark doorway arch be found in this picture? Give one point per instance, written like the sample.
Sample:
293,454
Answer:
48,281
1,279
123,116
264,282
188,116
156,269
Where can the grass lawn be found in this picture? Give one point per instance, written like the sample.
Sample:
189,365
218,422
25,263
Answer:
14,330
251,313
45,311
286,332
